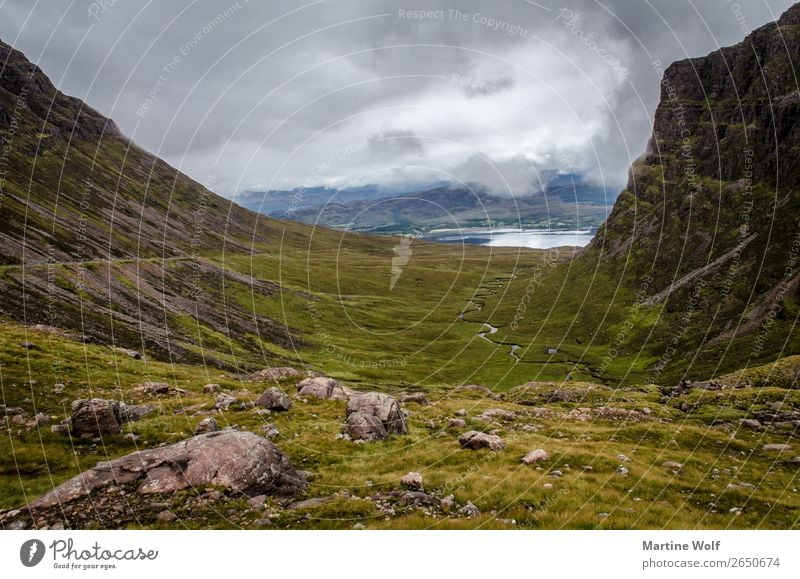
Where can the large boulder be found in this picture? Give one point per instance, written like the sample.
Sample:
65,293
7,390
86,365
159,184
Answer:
475,440
274,399
95,417
272,374
373,416
241,462
324,388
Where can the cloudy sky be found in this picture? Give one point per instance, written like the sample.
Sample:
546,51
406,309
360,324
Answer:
263,95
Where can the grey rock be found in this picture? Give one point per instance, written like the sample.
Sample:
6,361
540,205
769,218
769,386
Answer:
206,425
416,398
623,471
671,464
212,389
456,423
224,401
777,447
272,374
95,416
470,511
497,414
323,388
475,440
412,480
373,416
241,462
132,412
153,388
167,516
750,423
535,456
274,399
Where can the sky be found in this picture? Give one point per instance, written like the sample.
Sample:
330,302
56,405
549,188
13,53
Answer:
245,95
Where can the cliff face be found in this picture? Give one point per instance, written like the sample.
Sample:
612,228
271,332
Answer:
710,219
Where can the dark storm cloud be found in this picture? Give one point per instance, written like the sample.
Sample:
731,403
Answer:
245,94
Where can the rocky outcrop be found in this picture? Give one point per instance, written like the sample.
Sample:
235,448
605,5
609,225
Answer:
373,416
324,388
240,462
95,417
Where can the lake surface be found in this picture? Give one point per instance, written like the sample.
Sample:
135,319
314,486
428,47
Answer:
508,237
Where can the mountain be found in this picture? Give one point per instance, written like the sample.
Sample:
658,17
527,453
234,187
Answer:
567,203
282,203
696,269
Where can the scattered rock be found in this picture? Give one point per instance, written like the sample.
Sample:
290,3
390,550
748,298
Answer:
153,388
132,412
534,456
456,423
166,516
373,416
498,414
269,430
448,503
241,462
672,465
623,471
777,447
127,352
412,480
95,416
272,374
323,388
461,412
750,423
274,399
224,401
206,425
212,389
555,474
475,440
416,398
470,511
131,436
623,458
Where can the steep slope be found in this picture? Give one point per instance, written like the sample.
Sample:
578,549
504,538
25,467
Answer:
695,272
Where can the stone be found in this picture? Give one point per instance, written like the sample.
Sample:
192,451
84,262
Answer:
131,436
269,430
623,458
535,456
272,374
475,440
132,412
241,462
475,388
212,389
498,414
274,399
166,516
461,412
672,465
323,388
555,474
448,503
623,471
750,423
206,425
413,481
224,401
456,423
95,416
136,355
373,416
777,447
416,398
153,388
61,429
470,511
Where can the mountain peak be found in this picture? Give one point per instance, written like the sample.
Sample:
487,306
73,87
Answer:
791,17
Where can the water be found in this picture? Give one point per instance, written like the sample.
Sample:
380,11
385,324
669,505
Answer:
507,237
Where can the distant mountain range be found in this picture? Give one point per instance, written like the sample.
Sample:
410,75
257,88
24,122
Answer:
569,202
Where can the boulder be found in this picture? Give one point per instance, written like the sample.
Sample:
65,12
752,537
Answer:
132,412
274,399
373,416
240,462
365,427
475,440
324,388
95,416
153,388
224,401
750,423
416,398
534,456
206,425
272,374
457,423
413,481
